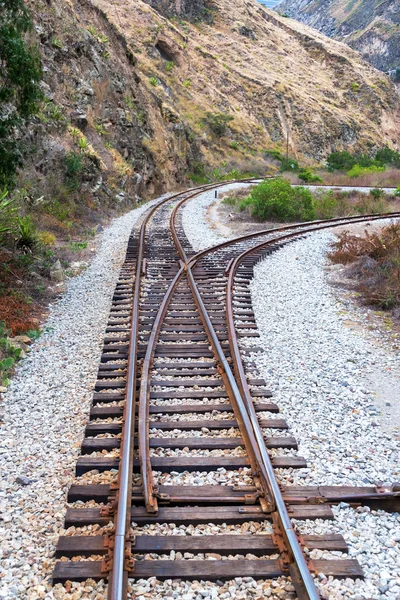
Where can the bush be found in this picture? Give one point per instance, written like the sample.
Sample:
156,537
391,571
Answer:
377,193
309,177
217,122
7,216
340,161
378,260
274,154
289,164
276,199
358,170
9,354
27,236
73,169
387,156
326,205
397,192
46,238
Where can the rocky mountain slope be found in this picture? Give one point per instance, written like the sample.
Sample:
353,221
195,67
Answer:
138,89
370,26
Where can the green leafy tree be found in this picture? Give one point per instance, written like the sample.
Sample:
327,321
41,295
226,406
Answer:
20,93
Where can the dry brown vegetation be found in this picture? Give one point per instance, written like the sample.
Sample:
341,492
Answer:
374,261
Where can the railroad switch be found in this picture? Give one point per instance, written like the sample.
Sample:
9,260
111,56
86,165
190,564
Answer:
266,505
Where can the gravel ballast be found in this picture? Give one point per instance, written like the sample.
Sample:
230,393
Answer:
320,372
46,408
317,368
196,223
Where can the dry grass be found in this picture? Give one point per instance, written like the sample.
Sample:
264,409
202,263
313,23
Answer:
375,263
388,178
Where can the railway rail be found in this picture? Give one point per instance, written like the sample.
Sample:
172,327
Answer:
174,397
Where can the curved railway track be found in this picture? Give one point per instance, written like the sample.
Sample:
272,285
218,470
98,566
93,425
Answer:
174,397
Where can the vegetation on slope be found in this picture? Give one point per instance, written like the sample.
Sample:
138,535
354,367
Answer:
375,264
277,200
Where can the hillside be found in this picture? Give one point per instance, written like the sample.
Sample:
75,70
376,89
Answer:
372,27
139,82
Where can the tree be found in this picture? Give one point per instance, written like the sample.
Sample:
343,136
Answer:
20,93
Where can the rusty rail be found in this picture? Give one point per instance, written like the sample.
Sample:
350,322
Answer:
298,568
122,546
120,560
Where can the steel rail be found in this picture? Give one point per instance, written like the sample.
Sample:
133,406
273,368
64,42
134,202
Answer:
118,575
118,578
300,573
241,414
149,487
248,236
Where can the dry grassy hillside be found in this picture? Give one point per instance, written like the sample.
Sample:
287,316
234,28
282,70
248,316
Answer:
140,85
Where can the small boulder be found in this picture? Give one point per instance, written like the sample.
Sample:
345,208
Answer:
22,339
57,273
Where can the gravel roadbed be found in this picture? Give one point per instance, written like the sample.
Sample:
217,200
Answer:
320,372
46,408
317,369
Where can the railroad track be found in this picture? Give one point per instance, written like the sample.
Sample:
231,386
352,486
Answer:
183,433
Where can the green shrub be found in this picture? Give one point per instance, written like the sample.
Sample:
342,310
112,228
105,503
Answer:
309,177
277,199
169,66
153,81
340,161
387,156
357,170
377,193
9,353
397,192
78,246
7,215
217,122
274,154
26,235
235,145
326,205
73,169
289,164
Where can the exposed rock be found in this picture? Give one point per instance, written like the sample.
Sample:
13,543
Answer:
371,27
57,273
79,119
22,339
141,99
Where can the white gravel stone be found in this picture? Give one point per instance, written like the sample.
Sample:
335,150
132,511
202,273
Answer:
316,367
46,408
320,372
195,222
